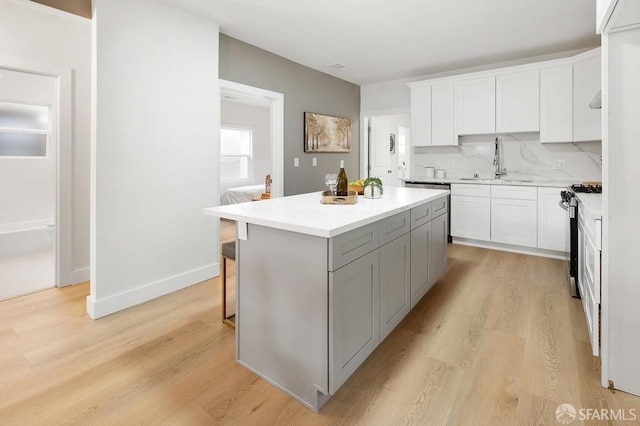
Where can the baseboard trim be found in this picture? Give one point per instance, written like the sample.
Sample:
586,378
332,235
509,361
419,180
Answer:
98,308
80,275
511,248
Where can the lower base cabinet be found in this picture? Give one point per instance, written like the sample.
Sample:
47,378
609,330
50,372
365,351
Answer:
514,222
420,262
471,217
395,273
438,247
354,303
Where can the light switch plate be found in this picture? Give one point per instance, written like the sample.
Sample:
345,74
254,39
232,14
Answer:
296,162
314,162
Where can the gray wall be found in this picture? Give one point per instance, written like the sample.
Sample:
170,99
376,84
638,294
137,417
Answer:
304,89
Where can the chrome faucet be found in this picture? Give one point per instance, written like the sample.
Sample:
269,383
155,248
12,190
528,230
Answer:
500,171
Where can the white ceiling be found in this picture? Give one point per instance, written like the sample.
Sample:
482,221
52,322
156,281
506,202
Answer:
383,40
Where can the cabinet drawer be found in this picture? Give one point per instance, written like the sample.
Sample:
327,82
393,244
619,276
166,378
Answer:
514,192
394,227
440,206
470,189
351,245
420,215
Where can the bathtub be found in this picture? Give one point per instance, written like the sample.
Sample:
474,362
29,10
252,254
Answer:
25,238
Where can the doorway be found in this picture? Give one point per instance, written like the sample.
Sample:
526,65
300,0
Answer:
274,101
28,165
387,135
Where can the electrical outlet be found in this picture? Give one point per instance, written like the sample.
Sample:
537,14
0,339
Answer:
314,162
561,165
450,164
296,162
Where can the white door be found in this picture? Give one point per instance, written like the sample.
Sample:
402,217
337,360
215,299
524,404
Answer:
379,158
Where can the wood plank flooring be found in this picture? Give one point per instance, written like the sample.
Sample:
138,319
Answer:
497,341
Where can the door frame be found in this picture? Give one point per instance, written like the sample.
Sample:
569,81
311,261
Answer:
276,106
365,117
64,173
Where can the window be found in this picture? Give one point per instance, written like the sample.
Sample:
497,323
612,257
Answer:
23,130
235,154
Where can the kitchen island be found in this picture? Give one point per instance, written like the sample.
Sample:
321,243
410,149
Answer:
320,285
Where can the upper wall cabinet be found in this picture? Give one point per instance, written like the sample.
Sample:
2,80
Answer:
556,104
433,115
550,97
476,106
443,126
587,122
518,102
421,116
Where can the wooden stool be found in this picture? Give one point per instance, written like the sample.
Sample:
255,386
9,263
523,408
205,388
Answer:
228,252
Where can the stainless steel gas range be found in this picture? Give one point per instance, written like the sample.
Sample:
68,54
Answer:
569,202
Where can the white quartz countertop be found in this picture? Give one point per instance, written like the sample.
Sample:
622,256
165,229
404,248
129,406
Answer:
592,204
490,181
305,214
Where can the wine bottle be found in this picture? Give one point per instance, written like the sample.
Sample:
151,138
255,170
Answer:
343,183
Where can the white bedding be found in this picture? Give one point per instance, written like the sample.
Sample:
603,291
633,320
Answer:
241,194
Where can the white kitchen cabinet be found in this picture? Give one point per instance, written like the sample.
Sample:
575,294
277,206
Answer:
552,220
420,283
443,132
587,122
556,104
514,215
589,264
395,283
433,115
603,12
471,211
354,316
518,102
421,116
438,248
476,106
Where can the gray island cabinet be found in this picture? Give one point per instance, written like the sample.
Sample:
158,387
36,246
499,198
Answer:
320,286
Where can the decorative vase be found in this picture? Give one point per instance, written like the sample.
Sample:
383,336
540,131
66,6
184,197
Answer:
372,191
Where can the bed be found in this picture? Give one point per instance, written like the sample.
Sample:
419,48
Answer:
241,194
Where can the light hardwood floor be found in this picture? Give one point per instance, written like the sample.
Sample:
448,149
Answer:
498,340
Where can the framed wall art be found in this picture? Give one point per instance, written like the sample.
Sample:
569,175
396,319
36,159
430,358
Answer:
326,133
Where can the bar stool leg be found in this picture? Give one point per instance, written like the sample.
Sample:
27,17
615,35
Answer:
225,319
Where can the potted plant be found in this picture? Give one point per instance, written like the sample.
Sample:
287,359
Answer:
373,188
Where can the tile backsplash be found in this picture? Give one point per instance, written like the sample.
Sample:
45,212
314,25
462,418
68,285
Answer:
522,155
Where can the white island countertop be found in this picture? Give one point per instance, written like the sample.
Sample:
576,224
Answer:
305,214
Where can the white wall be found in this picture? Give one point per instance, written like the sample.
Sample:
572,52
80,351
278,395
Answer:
154,152
258,118
41,37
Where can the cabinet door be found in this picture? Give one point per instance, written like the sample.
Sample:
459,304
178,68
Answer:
552,220
354,295
587,122
556,104
514,222
420,237
438,248
443,130
395,282
421,116
518,102
471,217
476,106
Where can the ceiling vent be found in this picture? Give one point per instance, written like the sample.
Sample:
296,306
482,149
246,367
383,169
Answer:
339,67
